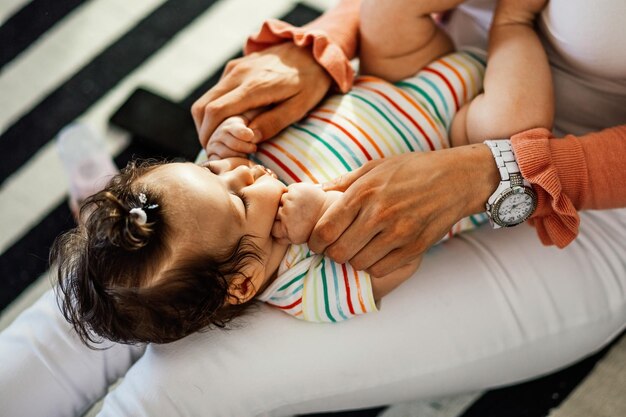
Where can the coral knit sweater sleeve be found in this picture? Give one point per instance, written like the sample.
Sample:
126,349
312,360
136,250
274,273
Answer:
570,174
332,37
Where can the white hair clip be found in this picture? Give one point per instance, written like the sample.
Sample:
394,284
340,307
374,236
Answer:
139,214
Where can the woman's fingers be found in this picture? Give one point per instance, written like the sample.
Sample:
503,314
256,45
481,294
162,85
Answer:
394,260
341,215
198,108
343,182
333,224
272,121
236,102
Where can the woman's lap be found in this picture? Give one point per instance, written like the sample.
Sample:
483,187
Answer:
486,308
46,371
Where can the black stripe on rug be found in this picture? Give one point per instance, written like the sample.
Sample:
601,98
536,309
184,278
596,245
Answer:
25,261
93,81
29,23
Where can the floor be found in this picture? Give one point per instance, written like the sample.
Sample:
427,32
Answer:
67,60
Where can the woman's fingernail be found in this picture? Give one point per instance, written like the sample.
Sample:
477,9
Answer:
258,137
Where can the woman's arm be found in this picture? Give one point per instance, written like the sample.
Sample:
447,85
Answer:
287,68
394,209
333,39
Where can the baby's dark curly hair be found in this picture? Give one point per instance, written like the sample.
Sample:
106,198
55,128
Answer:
106,269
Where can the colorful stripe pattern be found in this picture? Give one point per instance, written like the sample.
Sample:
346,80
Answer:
377,119
313,288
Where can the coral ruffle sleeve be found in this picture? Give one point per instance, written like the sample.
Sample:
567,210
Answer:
571,174
332,37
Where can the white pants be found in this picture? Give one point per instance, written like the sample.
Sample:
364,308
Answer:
487,308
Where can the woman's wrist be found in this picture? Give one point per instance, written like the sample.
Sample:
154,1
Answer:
483,176
331,39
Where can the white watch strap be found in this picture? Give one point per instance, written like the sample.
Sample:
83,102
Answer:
507,165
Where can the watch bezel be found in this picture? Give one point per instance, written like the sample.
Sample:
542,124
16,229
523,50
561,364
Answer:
517,189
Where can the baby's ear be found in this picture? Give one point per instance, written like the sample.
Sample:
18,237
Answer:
241,290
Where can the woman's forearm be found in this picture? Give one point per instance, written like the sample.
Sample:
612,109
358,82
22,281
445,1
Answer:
570,174
341,23
332,38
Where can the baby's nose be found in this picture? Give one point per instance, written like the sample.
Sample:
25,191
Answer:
240,177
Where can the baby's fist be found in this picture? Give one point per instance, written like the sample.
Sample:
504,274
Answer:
231,138
300,209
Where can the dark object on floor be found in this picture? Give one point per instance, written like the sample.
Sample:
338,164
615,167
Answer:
370,412
158,124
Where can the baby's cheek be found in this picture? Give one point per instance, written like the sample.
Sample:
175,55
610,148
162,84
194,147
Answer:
272,192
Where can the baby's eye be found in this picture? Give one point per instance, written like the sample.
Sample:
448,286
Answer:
244,200
240,195
209,166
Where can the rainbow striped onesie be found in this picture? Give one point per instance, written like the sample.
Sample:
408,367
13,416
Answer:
374,120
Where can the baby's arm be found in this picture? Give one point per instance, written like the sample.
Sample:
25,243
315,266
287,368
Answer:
518,92
398,37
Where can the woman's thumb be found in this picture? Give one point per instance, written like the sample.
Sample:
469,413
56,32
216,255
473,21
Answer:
343,182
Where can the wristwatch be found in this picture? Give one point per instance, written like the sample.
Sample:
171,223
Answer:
514,200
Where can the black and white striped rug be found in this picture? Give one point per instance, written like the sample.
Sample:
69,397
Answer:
63,60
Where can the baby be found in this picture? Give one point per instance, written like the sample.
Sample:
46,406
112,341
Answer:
171,248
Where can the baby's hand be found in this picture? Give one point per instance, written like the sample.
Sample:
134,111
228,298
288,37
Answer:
300,209
232,137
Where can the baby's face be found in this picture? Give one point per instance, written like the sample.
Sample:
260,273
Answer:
211,206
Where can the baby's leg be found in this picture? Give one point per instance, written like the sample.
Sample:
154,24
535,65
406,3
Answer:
518,92
398,37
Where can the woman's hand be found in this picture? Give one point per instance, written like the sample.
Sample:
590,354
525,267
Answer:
285,77
396,208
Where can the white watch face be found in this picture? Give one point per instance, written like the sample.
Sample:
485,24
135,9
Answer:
515,208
